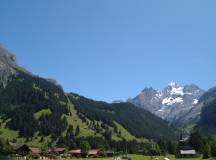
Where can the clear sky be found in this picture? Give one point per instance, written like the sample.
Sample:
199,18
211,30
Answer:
112,49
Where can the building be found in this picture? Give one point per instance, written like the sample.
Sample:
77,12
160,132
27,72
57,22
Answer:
24,150
59,151
186,152
21,150
93,153
34,151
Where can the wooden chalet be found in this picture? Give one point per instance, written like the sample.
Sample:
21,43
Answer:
93,153
34,151
59,151
24,150
186,152
21,150
75,153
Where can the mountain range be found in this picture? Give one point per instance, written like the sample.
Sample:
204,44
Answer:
36,110
172,103
185,106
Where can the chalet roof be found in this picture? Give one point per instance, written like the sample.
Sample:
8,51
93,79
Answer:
93,151
75,151
59,149
19,146
35,150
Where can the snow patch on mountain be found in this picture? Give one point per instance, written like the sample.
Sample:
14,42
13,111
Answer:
195,101
177,91
171,101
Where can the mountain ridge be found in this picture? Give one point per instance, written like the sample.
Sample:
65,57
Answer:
171,103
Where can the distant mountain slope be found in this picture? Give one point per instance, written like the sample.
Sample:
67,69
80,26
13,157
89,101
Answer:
207,123
172,103
34,110
137,121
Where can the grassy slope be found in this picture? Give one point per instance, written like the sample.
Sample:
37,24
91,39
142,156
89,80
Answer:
5,132
86,130
124,133
38,114
73,119
11,135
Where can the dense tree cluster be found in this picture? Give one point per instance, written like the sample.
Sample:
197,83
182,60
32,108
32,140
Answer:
207,122
133,146
26,95
5,147
205,145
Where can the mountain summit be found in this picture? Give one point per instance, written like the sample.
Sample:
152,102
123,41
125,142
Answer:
7,65
173,102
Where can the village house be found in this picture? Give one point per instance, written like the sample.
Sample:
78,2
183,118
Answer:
75,153
93,153
21,149
34,151
24,150
186,152
59,151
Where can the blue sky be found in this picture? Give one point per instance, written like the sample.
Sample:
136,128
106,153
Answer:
112,49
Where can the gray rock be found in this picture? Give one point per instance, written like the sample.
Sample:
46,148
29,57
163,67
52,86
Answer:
7,65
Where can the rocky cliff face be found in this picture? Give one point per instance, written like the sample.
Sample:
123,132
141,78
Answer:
7,65
172,103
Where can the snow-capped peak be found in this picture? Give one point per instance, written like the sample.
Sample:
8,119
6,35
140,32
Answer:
177,90
172,84
170,103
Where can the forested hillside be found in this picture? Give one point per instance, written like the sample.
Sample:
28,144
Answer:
36,111
207,104
137,121
207,123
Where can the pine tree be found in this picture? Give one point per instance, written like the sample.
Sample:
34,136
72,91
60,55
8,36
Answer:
206,151
77,132
85,146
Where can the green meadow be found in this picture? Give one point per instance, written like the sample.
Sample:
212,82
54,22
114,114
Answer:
140,157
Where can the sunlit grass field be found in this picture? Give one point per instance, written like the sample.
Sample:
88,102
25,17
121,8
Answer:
140,157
